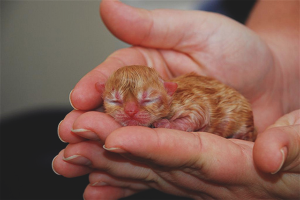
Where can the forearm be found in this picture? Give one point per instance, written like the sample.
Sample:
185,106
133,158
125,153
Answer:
277,23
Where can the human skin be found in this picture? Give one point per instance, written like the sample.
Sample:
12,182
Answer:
260,63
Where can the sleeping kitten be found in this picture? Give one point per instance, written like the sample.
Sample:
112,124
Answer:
138,96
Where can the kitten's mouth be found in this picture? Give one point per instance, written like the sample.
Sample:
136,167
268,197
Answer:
135,122
139,119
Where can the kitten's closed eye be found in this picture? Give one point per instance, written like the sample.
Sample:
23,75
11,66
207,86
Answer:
148,97
114,101
149,101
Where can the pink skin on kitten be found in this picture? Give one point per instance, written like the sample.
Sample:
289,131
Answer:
132,116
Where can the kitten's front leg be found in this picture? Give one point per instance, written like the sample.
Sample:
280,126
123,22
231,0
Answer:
183,124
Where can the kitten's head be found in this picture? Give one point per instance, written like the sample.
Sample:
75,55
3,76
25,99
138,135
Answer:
137,96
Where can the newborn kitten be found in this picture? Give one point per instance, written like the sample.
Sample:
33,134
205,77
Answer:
138,96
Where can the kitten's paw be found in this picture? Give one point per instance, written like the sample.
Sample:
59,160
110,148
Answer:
181,124
162,123
250,136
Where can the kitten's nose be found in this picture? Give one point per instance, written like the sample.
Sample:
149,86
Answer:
131,108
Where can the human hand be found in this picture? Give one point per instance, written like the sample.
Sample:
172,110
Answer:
177,42
197,165
214,46
278,148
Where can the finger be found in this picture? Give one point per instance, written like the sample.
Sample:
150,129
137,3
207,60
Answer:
206,38
177,149
278,148
106,192
99,178
90,123
91,154
65,128
61,167
164,29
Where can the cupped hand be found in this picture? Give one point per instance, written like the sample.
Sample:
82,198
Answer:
197,165
176,42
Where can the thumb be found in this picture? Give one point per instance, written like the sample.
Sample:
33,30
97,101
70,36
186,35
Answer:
161,28
278,148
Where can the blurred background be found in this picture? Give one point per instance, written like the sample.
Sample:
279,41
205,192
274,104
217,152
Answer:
46,47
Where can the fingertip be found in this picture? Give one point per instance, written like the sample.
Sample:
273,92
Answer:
106,192
70,100
85,99
94,125
52,165
283,151
270,150
125,22
58,132
84,133
114,149
85,96
74,100
65,126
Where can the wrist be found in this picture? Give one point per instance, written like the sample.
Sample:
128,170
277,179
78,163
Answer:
277,23
287,60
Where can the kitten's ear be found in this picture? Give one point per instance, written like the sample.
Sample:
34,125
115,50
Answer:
100,87
171,87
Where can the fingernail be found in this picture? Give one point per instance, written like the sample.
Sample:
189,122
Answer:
86,134
99,183
71,100
282,161
110,149
78,159
58,132
53,167
114,149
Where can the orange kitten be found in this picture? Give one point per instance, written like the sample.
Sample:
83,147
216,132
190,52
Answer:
138,96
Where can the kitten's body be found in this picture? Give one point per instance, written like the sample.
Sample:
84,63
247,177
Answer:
136,95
